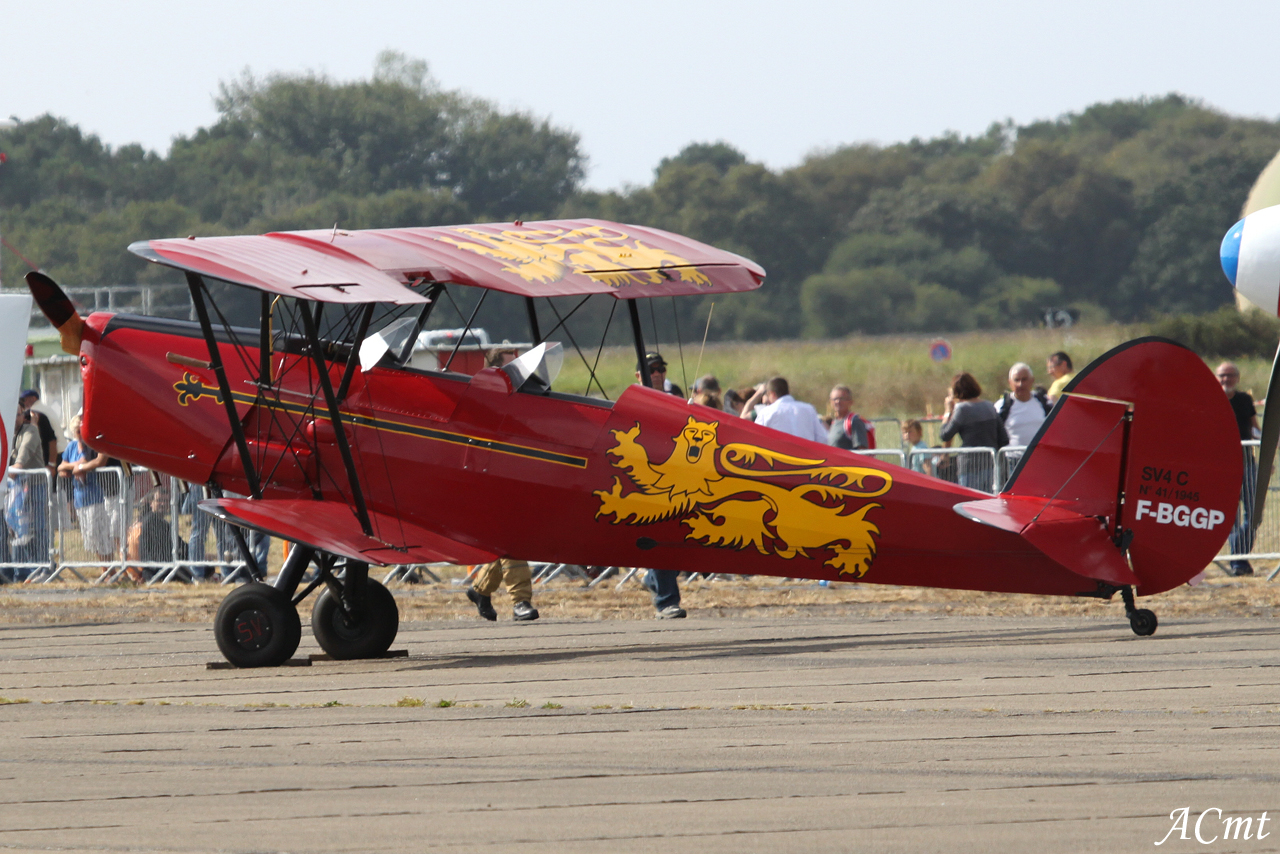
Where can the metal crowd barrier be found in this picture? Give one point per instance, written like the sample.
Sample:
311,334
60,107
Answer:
886,455
148,529
1242,543
134,525
931,430
888,433
971,467
28,526
1007,459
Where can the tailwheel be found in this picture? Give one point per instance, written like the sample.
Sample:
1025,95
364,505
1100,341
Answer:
257,626
1142,621
363,629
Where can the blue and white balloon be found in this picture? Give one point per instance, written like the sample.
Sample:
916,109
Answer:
1250,256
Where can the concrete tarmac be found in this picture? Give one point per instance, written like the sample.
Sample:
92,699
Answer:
702,735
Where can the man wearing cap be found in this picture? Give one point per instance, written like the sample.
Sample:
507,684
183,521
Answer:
48,438
658,375
664,584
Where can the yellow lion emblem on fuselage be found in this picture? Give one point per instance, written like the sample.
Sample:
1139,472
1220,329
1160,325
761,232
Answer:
727,501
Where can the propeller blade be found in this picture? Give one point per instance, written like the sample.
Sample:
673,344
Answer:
57,306
1270,439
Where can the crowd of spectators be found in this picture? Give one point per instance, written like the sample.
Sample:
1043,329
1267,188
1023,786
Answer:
122,519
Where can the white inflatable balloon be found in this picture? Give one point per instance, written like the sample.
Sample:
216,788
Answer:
1250,256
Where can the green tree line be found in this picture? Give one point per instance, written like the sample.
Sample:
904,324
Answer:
1115,211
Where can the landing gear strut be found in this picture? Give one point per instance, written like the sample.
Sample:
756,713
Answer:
355,617
1142,621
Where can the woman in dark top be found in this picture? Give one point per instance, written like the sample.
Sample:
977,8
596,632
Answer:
977,424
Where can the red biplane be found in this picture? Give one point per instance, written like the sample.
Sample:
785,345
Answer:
314,412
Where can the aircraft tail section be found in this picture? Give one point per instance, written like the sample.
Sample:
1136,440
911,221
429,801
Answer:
1143,443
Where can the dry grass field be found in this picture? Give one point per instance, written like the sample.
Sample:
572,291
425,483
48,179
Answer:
740,598
890,375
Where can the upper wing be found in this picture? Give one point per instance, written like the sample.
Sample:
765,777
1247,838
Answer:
537,259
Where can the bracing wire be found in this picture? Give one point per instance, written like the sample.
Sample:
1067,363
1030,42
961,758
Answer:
571,313
572,340
600,350
698,370
684,371
1088,457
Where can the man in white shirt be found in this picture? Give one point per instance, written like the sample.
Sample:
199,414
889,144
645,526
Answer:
1023,411
783,412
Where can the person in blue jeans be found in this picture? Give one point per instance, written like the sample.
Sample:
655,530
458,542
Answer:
1241,540
664,584
30,500
259,542
81,464
200,522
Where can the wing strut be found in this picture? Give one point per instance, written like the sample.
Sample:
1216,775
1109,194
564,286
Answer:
353,358
639,336
463,336
340,433
533,320
407,350
264,342
196,284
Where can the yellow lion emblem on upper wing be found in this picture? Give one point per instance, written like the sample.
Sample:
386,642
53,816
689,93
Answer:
549,254
726,497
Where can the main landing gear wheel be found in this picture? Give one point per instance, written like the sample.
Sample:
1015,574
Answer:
257,626
1143,622
366,633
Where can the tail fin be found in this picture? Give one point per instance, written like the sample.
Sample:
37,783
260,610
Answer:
1144,437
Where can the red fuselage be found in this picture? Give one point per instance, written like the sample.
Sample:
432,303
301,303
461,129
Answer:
648,480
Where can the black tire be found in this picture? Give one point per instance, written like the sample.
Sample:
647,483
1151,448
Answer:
1143,622
369,636
257,626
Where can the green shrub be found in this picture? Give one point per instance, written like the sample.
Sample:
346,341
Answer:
1226,332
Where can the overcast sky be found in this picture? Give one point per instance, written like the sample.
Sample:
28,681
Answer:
638,81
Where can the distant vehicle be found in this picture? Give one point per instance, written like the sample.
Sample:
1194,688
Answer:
348,450
438,338
460,350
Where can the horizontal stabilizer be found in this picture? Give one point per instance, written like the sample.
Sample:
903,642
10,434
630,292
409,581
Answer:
1080,543
331,527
